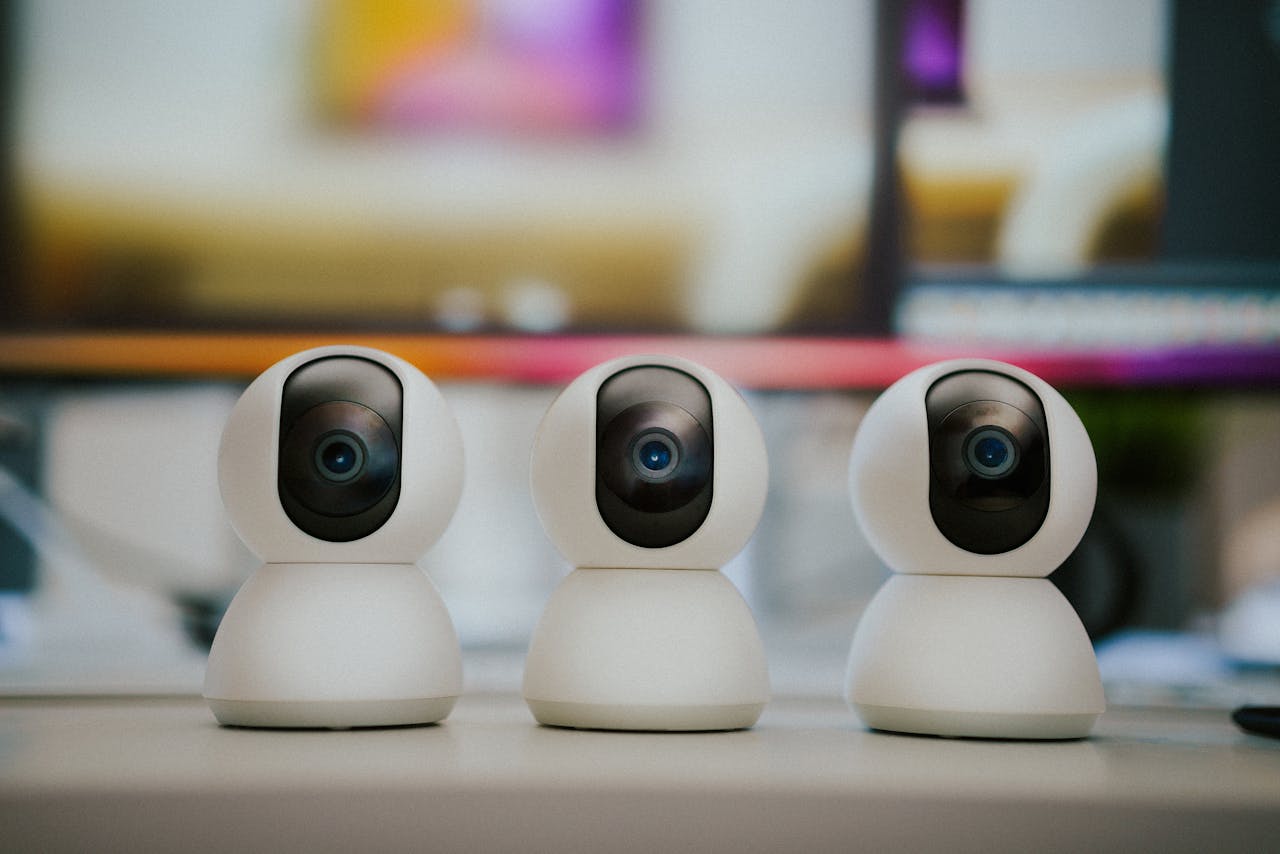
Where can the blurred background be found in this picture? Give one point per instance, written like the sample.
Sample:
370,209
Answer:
813,198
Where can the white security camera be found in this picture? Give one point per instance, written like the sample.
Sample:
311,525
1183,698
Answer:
339,467
648,473
973,480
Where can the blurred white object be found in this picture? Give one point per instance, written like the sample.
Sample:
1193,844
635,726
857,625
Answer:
493,564
534,305
1088,316
1076,181
133,475
1164,658
132,519
460,309
1251,549
773,216
753,146
80,633
1249,629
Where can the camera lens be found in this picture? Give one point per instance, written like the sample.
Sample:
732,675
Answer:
990,452
339,457
655,456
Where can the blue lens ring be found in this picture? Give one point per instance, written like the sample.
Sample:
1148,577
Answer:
339,457
655,455
991,452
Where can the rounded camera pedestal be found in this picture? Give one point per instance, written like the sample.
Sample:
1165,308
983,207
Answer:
646,649
983,657
334,646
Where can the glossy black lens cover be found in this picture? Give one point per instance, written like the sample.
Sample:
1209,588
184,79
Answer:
336,401
681,483
986,511
320,491
635,408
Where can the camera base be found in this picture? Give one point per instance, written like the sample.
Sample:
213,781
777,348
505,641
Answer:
334,646
974,656
646,649
336,714
646,718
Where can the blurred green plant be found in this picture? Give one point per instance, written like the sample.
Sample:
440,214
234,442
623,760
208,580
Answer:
1147,441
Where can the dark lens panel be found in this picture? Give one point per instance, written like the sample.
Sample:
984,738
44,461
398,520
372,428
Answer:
339,459
338,473
988,461
654,455
982,432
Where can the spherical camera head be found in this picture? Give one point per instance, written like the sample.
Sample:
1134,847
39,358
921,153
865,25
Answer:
651,462
972,467
341,454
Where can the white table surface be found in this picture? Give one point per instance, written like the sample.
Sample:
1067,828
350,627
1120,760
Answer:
159,774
